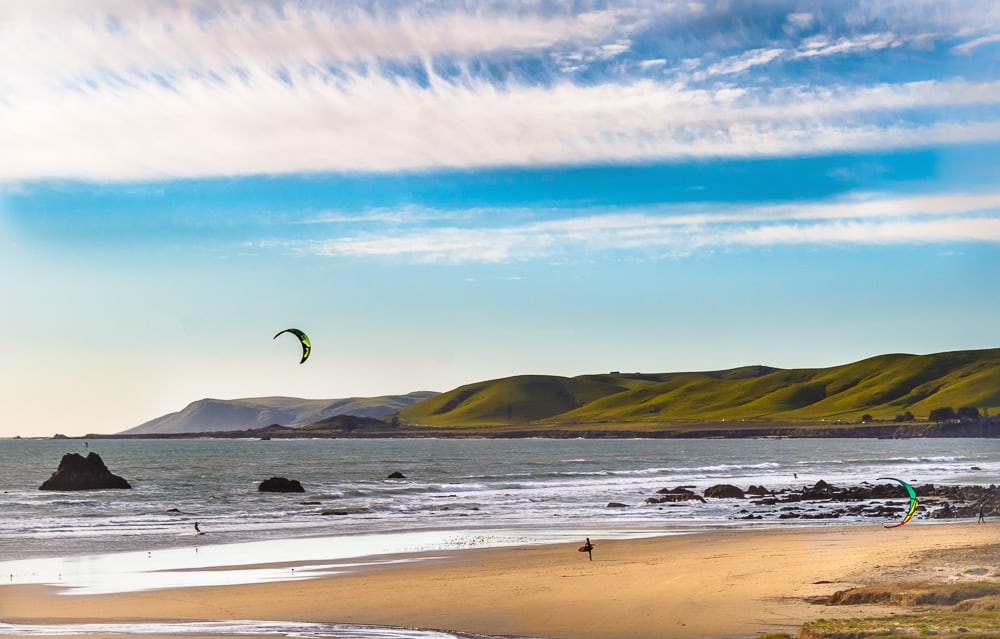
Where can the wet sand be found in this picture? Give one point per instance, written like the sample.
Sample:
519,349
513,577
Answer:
706,585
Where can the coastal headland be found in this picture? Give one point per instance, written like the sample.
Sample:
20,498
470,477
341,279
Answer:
707,585
951,394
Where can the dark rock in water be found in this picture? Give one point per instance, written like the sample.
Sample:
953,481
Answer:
680,490
617,504
280,485
936,502
396,475
338,513
674,495
724,491
945,512
76,472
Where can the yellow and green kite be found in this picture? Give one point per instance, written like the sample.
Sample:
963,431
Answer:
913,502
303,339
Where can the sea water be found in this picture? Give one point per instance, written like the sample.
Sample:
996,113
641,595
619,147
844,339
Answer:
457,493
450,484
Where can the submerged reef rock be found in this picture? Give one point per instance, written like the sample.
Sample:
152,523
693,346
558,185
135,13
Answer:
396,475
280,485
674,495
76,472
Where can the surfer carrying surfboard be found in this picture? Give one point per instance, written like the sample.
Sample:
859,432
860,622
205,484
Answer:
588,548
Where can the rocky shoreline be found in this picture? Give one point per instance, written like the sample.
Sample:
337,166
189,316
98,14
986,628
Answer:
826,501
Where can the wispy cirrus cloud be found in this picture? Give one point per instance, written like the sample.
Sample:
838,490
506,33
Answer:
967,47
679,230
823,45
744,61
116,91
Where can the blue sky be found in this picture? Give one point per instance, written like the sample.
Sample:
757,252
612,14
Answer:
445,192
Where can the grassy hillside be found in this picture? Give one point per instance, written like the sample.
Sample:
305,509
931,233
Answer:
883,386
512,400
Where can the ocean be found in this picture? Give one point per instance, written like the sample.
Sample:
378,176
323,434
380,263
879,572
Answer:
457,493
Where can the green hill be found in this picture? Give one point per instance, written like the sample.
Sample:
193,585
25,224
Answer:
883,386
512,400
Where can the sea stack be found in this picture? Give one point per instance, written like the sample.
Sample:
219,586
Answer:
76,472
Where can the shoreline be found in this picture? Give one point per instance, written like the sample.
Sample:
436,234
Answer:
705,585
312,556
984,429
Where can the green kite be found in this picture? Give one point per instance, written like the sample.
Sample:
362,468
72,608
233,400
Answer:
303,339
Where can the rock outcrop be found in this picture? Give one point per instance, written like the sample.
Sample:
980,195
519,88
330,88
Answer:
669,495
280,485
724,491
76,472
823,500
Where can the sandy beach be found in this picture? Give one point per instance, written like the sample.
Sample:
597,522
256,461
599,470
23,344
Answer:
703,585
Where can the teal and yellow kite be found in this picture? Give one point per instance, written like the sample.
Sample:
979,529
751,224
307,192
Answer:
303,339
913,502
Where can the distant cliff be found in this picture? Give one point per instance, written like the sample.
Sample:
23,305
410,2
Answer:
220,415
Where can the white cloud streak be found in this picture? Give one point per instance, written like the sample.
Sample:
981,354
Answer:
373,123
748,60
122,90
967,47
824,46
672,231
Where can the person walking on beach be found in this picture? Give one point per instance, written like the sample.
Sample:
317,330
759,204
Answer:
588,548
982,518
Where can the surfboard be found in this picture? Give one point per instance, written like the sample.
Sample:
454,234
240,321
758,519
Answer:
585,549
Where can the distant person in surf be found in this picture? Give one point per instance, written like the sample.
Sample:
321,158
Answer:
588,548
196,528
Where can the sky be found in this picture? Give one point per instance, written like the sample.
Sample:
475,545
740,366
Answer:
440,193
